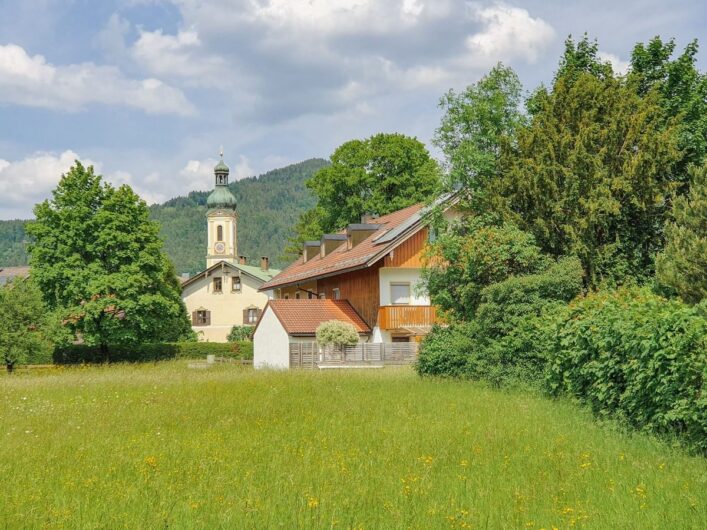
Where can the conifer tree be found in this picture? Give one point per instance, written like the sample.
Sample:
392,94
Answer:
683,263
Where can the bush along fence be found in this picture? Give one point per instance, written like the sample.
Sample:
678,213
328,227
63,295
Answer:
81,353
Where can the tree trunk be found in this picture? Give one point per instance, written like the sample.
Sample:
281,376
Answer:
10,366
103,348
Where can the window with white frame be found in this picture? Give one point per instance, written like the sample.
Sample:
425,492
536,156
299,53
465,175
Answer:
236,285
335,293
400,293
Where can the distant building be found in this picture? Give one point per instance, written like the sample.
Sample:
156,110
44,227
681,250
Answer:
228,292
7,274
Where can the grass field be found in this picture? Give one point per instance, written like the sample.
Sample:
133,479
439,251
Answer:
164,446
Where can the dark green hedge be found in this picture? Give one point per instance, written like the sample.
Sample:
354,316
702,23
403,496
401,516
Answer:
634,355
79,354
508,340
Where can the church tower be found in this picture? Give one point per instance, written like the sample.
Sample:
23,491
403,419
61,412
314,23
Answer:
221,220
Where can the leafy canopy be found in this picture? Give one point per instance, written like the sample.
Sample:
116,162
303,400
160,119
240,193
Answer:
97,258
471,256
378,175
475,123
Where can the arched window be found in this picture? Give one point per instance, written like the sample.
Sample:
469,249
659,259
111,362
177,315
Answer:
219,233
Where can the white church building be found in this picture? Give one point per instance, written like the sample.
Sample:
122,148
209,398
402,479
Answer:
227,292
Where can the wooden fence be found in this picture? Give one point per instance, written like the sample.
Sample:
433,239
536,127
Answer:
311,355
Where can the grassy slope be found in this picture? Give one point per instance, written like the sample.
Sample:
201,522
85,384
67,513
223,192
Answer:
156,446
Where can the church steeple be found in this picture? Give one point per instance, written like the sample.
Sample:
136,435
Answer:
222,219
221,197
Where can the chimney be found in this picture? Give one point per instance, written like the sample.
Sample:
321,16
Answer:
242,260
264,263
311,249
366,218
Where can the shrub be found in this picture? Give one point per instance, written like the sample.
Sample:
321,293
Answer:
470,257
445,351
241,333
81,353
337,333
635,355
513,330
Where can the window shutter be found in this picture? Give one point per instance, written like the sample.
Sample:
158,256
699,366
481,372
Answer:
258,312
208,318
194,321
245,316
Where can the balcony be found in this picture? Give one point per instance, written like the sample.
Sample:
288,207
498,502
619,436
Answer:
398,317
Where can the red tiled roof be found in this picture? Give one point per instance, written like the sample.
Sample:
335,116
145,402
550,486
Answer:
302,317
341,258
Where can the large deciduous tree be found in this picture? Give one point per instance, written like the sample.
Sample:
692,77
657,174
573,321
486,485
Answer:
99,261
378,175
683,263
469,257
682,91
475,123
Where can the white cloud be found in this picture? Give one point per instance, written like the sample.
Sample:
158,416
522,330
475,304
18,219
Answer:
30,80
619,66
180,55
509,33
26,182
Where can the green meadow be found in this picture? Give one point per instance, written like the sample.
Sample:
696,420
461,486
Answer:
166,446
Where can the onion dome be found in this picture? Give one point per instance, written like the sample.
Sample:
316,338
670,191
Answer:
221,197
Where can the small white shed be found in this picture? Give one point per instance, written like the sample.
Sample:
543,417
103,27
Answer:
287,321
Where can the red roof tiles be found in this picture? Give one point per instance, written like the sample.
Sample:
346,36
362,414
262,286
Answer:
302,317
342,258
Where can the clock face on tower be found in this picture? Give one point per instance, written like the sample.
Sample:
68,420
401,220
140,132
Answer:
219,247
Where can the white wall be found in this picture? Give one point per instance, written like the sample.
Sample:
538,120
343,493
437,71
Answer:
271,344
388,275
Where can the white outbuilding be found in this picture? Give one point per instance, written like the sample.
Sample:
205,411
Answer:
295,321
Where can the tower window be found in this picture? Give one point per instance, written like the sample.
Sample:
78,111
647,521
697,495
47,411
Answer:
219,233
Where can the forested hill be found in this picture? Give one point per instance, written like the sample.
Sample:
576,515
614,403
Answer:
268,209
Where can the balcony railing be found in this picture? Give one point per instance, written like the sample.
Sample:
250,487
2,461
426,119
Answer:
400,316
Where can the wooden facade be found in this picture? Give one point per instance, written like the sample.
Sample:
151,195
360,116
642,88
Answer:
362,287
408,255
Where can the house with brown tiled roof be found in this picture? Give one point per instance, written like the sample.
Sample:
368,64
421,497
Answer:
374,266
289,321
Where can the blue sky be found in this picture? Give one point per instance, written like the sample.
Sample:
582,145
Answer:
147,90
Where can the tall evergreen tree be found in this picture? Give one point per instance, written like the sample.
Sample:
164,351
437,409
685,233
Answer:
591,175
98,260
683,263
